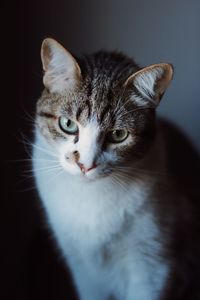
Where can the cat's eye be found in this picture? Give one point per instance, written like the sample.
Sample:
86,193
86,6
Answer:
118,136
68,125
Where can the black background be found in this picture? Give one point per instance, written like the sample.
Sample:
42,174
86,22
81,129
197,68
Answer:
30,267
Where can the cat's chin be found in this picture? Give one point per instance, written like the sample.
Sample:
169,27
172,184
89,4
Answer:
90,176
94,176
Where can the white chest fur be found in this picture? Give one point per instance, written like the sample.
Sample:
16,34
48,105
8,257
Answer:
108,240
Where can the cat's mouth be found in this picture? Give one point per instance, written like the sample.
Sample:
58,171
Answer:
84,169
96,173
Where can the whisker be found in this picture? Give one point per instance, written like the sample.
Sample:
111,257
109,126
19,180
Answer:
43,172
57,175
26,142
131,169
135,176
28,116
43,168
27,190
117,180
136,109
41,149
31,159
122,107
121,94
28,152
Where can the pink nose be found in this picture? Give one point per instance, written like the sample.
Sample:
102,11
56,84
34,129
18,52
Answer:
84,169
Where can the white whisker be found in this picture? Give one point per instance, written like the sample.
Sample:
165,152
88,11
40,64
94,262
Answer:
43,172
28,115
53,167
57,175
42,149
26,141
133,110
30,160
116,179
132,170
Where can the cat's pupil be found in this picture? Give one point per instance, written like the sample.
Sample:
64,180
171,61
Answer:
118,133
68,123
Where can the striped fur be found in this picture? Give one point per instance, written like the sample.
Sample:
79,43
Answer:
105,210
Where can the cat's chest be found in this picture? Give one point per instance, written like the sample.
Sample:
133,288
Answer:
88,213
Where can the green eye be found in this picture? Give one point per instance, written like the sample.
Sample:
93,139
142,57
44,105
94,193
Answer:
68,125
118,136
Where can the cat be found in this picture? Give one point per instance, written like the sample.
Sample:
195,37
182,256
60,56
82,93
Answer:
101,169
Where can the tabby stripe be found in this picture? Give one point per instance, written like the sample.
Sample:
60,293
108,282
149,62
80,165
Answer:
89,108
55,133
121,69
46,115
76,138
78,113
104,112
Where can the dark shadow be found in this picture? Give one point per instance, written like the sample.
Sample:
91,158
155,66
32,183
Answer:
184,167
47,275
184,161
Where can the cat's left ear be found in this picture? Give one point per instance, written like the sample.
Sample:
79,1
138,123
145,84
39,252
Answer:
149,84
61,71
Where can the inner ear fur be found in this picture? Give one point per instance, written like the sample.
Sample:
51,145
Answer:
61,71
152,81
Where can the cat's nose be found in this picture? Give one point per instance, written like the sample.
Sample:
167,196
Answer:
85,169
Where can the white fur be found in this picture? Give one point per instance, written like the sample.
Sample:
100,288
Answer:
61,69
88,215
88,146
145,83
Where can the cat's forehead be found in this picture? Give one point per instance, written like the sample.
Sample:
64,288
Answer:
108,111
86,110
101,95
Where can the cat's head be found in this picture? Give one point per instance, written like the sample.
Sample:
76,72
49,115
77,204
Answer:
98,112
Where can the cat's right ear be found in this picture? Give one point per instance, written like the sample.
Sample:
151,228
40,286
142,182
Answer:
61,71
150,83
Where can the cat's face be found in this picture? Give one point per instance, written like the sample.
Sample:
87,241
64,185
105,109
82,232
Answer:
99,114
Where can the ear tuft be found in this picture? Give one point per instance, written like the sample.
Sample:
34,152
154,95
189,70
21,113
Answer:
151,82
61,69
